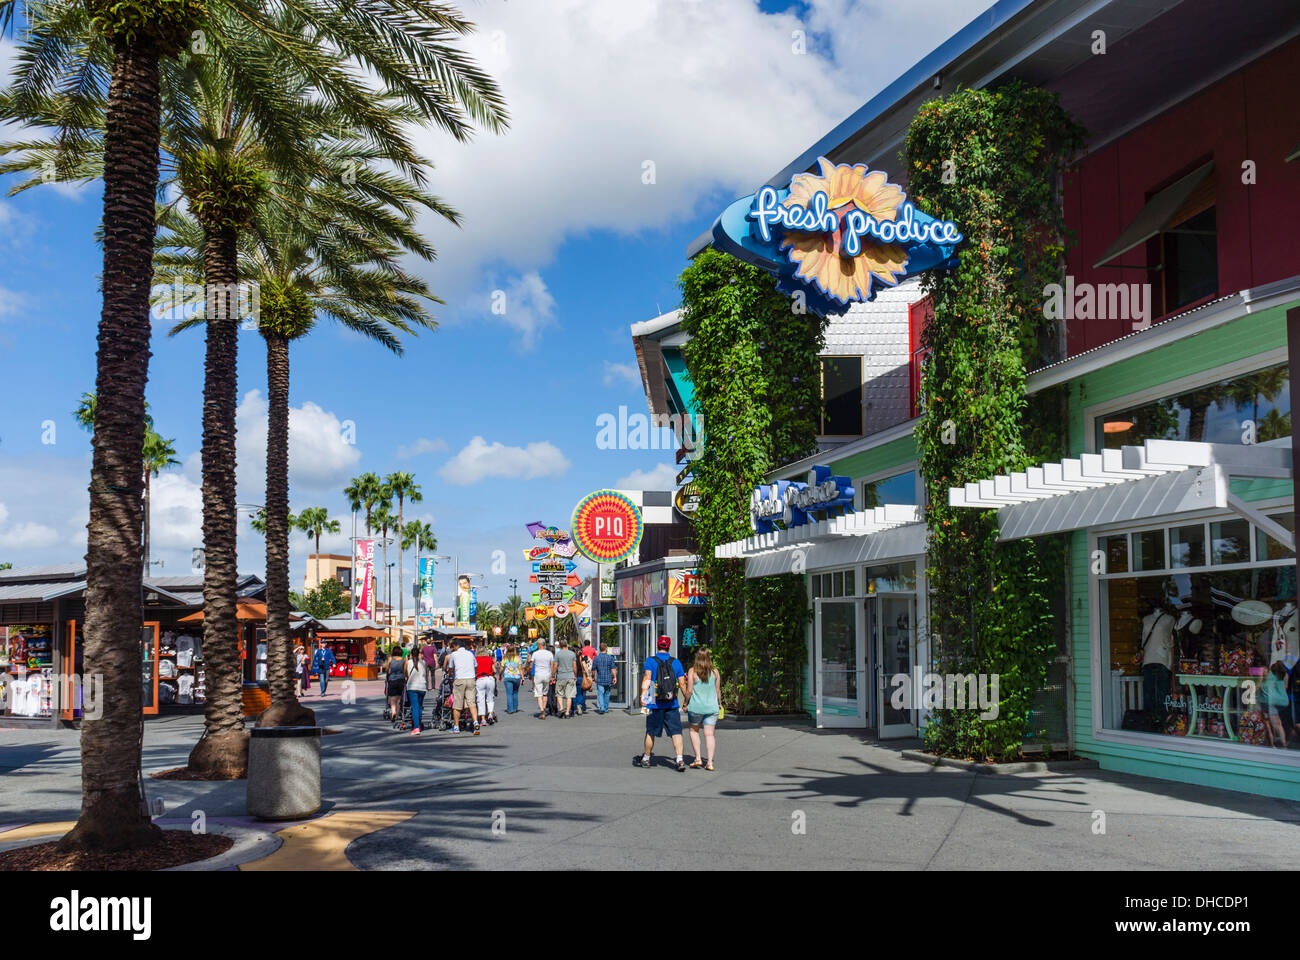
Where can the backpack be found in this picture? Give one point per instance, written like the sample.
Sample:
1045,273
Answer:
665,680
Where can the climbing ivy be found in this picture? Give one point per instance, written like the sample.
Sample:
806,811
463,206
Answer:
753,361
990,160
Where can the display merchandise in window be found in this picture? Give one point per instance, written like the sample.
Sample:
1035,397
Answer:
27,663
180,669
1205,653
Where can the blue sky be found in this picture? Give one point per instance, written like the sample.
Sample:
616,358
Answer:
558,216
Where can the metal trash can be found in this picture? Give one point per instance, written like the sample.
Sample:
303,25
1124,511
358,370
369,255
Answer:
283,772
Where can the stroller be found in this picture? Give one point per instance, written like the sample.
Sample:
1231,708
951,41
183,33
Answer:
442,704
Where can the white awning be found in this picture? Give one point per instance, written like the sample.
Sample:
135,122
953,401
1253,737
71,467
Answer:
1159,478
864,536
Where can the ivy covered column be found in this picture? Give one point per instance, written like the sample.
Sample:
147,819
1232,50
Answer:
990,160
753,361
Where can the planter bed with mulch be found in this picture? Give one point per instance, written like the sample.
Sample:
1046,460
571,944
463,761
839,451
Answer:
175,847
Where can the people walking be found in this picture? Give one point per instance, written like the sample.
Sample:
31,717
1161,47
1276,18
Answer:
463,667
702,705
512,675
661,679
541,666
603,668
485,683
583,683
395,685
301,670
322,662
418,682
565,678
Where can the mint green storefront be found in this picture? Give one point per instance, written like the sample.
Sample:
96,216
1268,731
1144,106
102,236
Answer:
1211,567
1190,365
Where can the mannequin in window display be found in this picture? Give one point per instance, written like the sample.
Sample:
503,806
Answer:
1157,660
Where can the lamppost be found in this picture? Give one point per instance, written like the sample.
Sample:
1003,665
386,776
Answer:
514,593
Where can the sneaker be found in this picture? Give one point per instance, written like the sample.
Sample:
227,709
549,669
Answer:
455,730
476,729
681,765
643,761
415,732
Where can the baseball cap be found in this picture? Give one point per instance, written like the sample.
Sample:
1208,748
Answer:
665,643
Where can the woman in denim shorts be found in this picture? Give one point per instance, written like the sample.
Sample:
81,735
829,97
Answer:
702,683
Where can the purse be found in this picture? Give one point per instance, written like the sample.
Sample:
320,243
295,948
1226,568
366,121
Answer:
586,682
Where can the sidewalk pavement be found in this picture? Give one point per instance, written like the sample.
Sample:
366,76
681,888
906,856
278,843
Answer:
565,793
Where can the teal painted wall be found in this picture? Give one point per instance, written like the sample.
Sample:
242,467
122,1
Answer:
1226,344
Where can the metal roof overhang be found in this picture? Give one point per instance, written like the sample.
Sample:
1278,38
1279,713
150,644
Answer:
1159,478
864,536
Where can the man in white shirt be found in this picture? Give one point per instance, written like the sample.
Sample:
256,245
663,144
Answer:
461,660
542,662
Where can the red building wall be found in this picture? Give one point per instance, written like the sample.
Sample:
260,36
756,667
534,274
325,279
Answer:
1250,115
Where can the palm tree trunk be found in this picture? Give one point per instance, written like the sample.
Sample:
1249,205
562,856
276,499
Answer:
113,814
222,752
285,709
145,551
401,598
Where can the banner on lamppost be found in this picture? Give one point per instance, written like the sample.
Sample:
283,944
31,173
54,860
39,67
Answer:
424,610
364,561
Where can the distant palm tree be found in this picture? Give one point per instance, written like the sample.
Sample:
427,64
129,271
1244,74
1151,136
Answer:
259,521
404,488
316,522
513,609
417,532
159,454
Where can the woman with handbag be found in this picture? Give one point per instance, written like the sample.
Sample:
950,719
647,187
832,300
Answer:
395,685
417,685
583,685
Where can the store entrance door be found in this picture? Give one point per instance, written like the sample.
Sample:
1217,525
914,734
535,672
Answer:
611,634
637,641
893,635
838,632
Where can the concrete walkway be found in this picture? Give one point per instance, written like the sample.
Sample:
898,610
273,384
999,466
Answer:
565,794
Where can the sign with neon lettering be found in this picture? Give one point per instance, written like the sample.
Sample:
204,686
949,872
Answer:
837,235
790,503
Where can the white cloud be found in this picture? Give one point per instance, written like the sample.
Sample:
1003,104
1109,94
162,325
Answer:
617,373
4,513
320,456
525,305
662,477
176,512
713,94
423,445
28,536
479,460
10,303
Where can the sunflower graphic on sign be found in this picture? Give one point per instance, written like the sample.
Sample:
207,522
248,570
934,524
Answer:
820,258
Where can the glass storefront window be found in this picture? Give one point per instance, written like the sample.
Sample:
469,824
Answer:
1266,548
1149,550
816,584
837,583
1187,546
848,583
1230,541
891,577
1199,652
896,489
1115,549
1211,414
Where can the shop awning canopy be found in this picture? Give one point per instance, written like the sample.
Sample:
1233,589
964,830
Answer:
1159,478
365,633
863,536
1161,212
244,610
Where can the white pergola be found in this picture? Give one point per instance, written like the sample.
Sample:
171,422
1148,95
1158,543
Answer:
862,536
1159,478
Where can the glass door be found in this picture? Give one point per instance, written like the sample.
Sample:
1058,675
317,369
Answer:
638,652
611,634
149,667
837,659
893,633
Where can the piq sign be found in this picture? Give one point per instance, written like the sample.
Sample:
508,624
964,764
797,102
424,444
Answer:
607,526
789,503
837,235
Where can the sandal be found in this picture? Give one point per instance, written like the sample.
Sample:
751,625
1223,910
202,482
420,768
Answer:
696,765
709,766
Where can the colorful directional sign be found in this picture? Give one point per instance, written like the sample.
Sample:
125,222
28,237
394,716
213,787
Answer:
607,526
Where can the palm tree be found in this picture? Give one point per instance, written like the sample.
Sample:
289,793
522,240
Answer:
385,518
364,493
316,522
513,609
77,62
259,521
404,488
418,533
159,454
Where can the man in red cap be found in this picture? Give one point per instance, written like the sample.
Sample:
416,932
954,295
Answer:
661,678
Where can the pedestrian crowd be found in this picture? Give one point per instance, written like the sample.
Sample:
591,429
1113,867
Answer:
464,676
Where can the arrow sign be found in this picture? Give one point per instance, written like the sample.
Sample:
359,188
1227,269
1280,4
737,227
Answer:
573,580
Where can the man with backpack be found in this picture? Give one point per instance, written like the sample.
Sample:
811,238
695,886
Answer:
661,678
